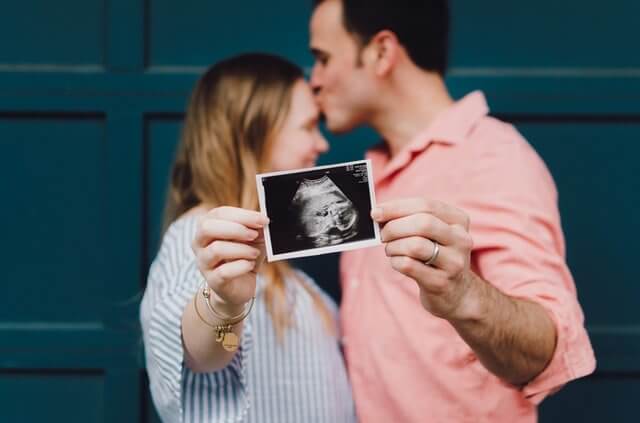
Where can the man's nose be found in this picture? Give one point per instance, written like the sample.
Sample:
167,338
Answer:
315,81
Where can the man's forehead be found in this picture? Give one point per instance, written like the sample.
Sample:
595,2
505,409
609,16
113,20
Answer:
326,18
327,31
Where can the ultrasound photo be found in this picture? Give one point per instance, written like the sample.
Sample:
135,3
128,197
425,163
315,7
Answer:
319,210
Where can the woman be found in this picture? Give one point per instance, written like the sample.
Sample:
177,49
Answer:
213,352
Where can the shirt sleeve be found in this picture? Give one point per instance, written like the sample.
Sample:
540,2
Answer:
519,248
173,385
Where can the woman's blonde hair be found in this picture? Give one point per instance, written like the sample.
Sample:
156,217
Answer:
235,110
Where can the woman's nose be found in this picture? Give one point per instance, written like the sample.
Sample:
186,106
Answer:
321,144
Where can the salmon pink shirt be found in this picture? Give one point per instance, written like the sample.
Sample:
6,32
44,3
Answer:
406,365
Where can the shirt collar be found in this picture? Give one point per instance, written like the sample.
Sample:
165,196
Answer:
454,123
451,127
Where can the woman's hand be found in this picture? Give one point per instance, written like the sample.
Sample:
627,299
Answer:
229,249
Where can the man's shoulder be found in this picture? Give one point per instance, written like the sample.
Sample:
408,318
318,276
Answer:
495,132
503,155
499,140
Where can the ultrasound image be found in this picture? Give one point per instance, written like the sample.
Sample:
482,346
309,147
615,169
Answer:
325,215
318,208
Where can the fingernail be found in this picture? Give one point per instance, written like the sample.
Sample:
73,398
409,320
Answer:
376,213
251,235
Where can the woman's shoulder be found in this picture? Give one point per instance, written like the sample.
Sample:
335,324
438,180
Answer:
180,232
184,225
175,246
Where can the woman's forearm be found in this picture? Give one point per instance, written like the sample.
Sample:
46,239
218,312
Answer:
202,353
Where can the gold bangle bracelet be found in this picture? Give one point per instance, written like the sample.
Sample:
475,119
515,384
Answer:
224,332
226,319
195,306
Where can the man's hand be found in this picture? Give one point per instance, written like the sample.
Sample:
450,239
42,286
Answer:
513,338
412,227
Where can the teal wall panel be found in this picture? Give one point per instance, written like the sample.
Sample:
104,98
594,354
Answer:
39,32
600,398
53,179
37,394
545,34
92,95
198,32
161,140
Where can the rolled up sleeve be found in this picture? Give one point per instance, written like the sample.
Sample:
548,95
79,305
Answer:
519,248
573,357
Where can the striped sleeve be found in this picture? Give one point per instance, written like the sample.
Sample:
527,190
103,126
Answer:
173,280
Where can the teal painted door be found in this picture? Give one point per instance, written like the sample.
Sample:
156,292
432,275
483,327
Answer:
91,100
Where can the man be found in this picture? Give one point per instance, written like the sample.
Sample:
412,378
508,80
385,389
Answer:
468,312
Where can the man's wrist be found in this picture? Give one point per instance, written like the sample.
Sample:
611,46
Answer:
473,305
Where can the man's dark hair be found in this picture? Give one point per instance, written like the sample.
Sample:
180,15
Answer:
422,26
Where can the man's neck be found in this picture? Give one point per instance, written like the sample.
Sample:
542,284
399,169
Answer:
413,103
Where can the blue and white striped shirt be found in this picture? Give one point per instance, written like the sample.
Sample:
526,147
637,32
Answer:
299,379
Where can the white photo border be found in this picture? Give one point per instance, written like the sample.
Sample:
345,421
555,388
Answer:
347,246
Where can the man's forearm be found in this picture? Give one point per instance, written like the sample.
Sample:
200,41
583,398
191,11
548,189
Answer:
513,338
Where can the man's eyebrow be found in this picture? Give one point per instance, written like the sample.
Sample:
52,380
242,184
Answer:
317,52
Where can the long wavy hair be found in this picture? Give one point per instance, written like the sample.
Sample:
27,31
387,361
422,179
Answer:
235,110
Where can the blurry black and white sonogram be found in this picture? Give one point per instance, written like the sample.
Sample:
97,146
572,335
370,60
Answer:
318,210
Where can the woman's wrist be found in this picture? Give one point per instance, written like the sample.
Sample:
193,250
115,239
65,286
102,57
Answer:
225,308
